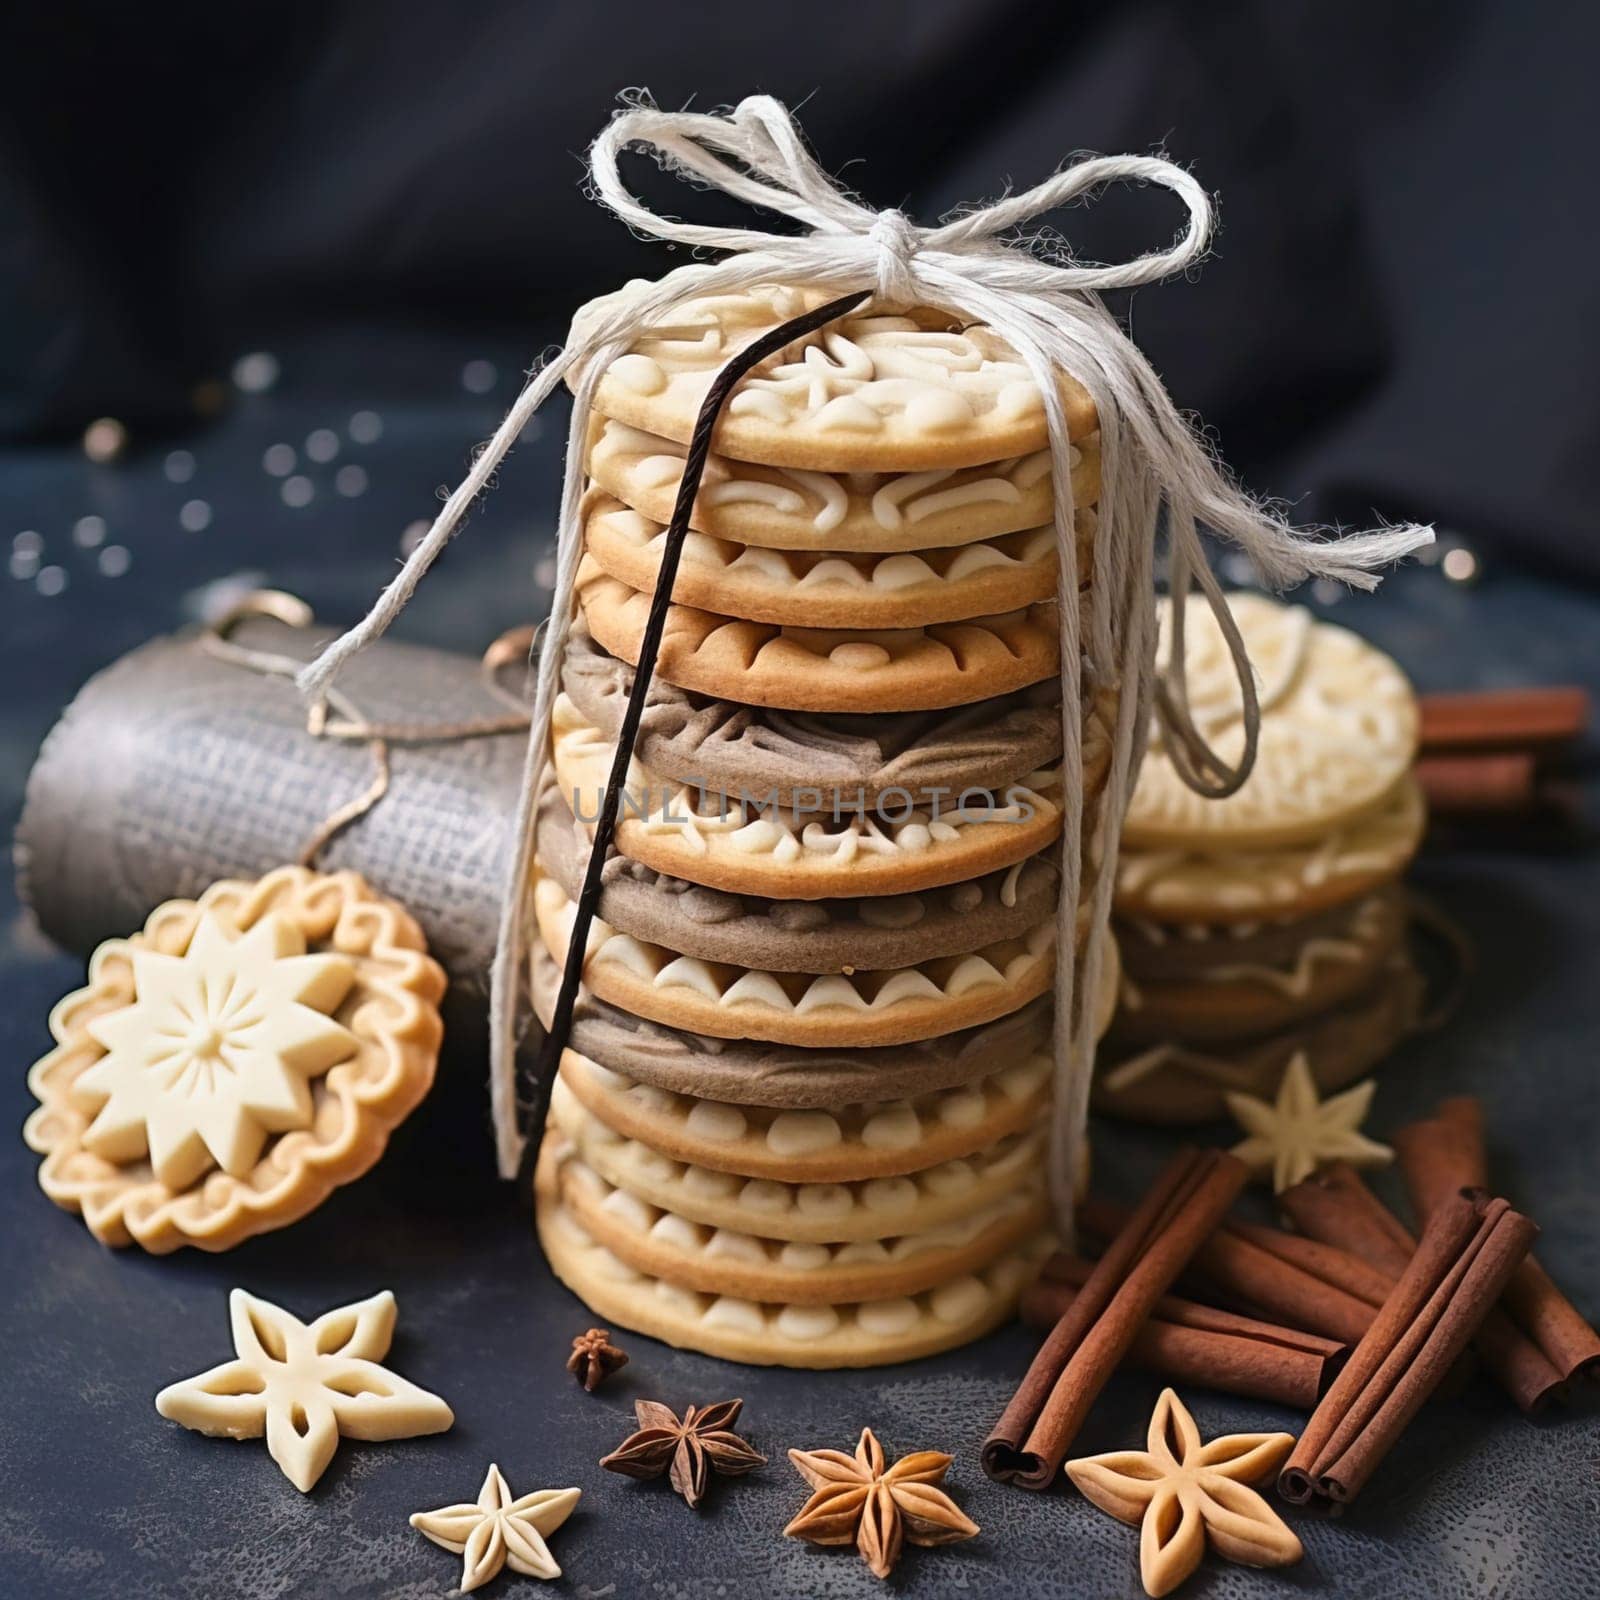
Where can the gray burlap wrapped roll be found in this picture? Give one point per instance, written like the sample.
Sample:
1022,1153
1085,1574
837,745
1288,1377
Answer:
173,768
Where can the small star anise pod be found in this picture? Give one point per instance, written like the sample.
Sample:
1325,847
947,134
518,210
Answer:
594,1358
688,1451
857,1502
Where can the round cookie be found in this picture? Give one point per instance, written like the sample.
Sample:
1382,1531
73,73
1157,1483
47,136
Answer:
882,390
1238,981
1248,885
721,744
841,1144
314,981
820,1213
820,669
786,509
1179,1083
862,1334
798,935
1338,734
661,1244
786,1077
725,841
862,1008
818,589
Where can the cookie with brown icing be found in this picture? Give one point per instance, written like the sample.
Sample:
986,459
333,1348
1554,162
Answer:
798,935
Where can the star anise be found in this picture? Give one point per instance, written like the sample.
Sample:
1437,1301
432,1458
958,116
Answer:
688,1451
594,1358
857,1502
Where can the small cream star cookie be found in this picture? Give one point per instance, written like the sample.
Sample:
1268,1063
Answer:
304,1387
1184,1495
499,1531
1298,1133
214,1052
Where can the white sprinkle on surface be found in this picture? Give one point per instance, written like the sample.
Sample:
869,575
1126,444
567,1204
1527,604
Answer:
194,516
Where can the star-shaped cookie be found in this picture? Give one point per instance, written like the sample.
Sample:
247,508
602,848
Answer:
304,1387
1298,1133
215,1050
499,1531
1185,1495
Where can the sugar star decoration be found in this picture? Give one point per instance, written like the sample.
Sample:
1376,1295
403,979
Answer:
1185,1495
688,1451
857,1501
499,1531
215,1050
1298,1133
305,1386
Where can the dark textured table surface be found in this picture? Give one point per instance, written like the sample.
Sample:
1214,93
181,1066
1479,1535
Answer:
100,1497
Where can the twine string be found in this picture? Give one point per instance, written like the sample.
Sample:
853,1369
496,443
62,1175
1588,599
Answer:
350,724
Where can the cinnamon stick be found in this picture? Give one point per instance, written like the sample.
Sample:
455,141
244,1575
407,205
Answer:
1335,1206
1495,784
1447,1151
1032,1437
1513,719
1463,1261
1294,1280
1189,1343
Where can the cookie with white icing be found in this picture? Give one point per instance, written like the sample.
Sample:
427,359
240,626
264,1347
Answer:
1203,983
1195,884
865,1007
790,509
719,1261
822,669
824,589
740,843
882,390
842,1144
1338,734
866,1333
820,1213
723,744
797,935
785,1077
1175,1082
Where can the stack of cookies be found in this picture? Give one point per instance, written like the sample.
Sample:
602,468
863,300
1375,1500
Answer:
1270,922
804,1111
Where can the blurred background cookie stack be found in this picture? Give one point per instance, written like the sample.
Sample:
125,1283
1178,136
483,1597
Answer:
804,1111
1272,921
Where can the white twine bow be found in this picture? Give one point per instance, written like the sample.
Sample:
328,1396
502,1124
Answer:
1155,471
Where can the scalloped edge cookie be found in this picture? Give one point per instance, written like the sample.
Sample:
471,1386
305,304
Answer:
882,390
827,590
831,1212
786,509
761,851
828,1010
1233,998
821,669
392,1009
867,1333
841,1144
664,1245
